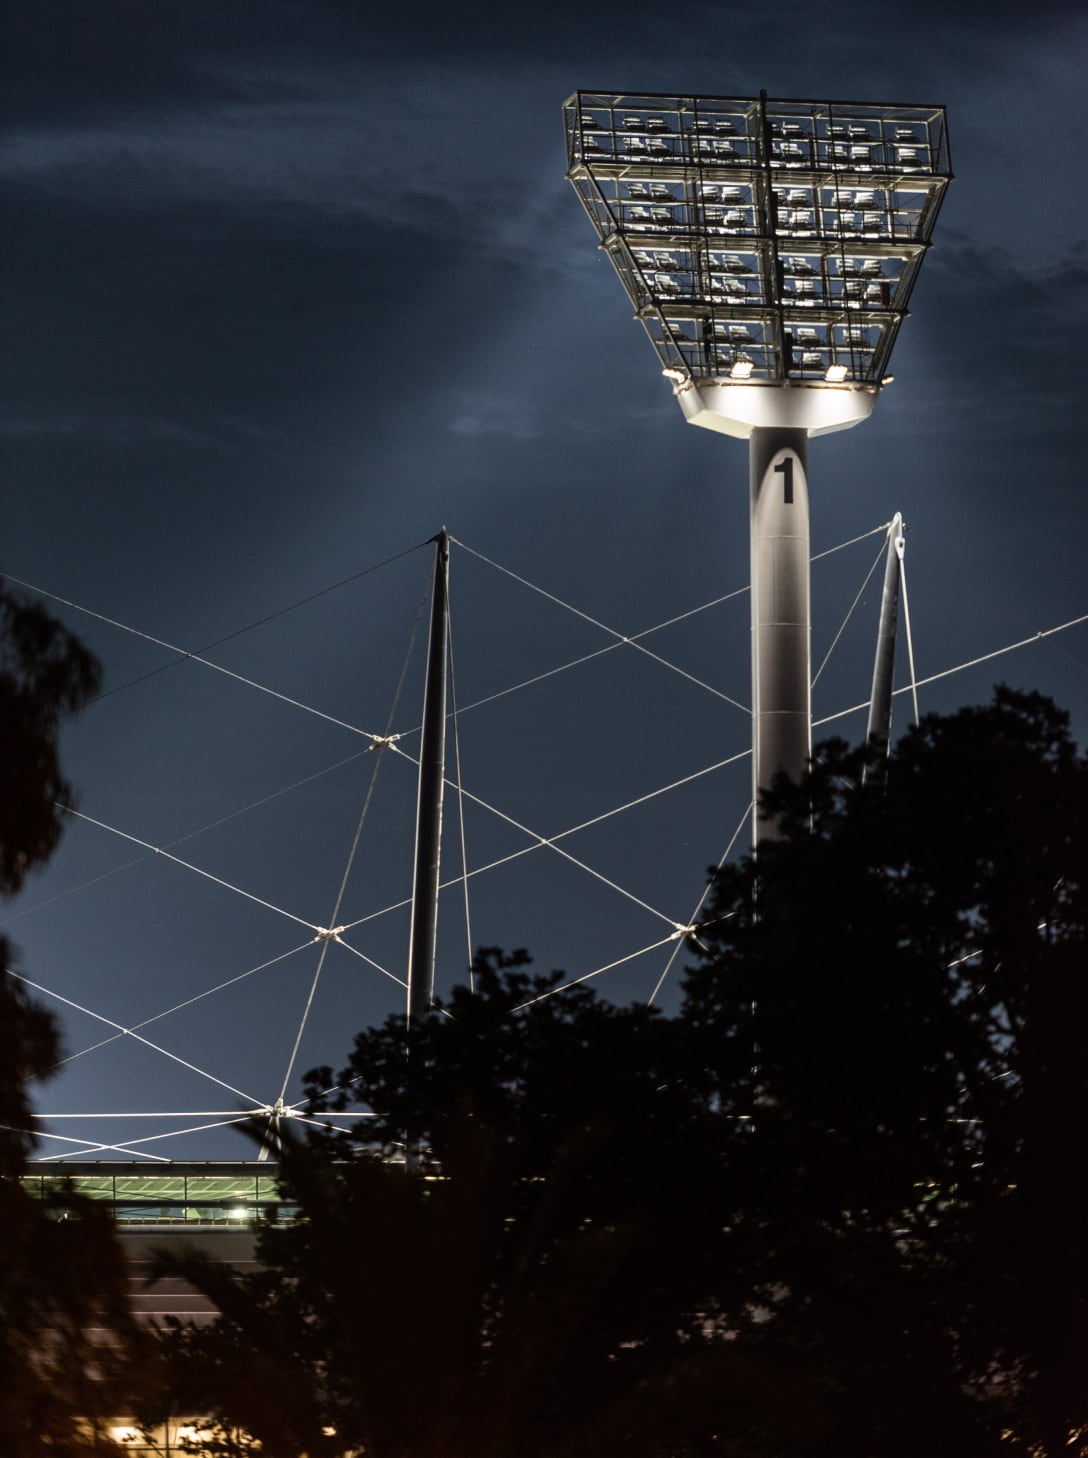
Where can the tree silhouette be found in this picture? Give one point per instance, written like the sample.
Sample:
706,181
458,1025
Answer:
61,1271
903,974
833,1209
520,1293
45,673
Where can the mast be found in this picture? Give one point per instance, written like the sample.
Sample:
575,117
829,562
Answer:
878,732
781,677
432,765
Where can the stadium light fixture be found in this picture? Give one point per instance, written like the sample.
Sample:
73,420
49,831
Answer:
769,248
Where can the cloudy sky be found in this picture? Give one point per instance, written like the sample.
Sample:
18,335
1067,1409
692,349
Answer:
288,287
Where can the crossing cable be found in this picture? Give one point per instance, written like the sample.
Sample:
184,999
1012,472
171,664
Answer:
619,810
745,753
680,935
86,1146
959,668
321,934
134,1146
688,933
608,648
370,962
849,614
378,742
201,830
131,1033
541,840
612,632
676,937
194,658
318,1121
586,976
179,1006
634,638
944,673
152,1114
334,930
881,530
188,865
349,759
237,633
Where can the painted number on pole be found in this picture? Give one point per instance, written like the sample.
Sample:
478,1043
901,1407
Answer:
785,465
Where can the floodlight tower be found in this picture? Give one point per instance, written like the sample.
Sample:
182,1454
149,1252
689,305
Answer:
769,249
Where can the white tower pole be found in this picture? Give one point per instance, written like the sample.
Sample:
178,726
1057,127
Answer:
781,622
769,248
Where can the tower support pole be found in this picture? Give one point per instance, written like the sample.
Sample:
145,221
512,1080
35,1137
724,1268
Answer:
432,769
878,732
781,618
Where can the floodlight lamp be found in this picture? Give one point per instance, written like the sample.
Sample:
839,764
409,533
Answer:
789,170
742,369
835,374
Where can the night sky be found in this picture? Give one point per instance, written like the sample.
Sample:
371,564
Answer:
288,287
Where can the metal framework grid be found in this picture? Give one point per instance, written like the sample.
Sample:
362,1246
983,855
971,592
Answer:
762,240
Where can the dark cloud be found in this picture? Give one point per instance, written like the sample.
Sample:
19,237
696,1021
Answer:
103,59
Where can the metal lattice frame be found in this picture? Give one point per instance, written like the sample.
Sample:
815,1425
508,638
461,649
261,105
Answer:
762,240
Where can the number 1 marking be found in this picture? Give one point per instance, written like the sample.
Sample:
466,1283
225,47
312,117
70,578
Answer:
785,465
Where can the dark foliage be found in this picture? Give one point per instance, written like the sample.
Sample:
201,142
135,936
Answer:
63,1316
45,673
835,1209
533,1287
68,1349
903,988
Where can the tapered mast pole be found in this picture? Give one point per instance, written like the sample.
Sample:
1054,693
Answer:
878,732
432,768
781,618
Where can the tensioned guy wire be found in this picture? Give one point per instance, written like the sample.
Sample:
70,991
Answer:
959,668
538,842
633,639
131,1033
543,840
194,658
334,933
700,904
189,1001
849,614
188,865
612,632
227,637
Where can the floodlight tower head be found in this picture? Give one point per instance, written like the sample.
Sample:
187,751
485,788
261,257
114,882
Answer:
769,247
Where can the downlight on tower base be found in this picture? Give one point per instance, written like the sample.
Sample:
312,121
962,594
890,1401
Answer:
769,248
